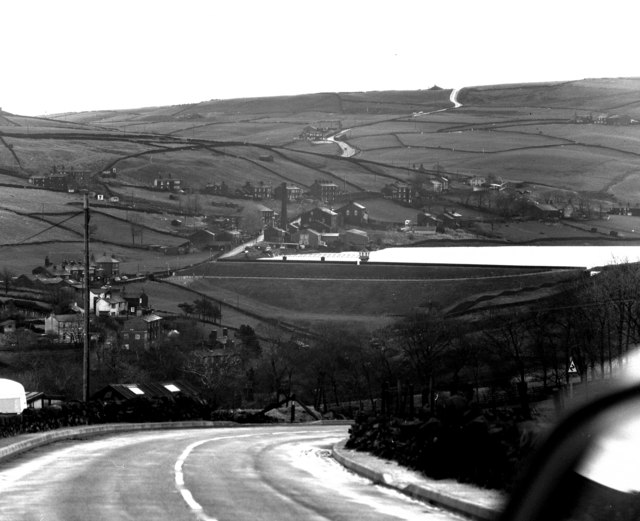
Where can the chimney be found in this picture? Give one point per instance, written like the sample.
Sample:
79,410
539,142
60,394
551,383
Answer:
283,212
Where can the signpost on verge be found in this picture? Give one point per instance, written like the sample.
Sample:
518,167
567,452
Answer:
571,370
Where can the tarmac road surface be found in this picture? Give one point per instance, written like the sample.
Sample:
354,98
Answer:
257,473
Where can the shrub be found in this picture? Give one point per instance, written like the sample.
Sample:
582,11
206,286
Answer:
478,447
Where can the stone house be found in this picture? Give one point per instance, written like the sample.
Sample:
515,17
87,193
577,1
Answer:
65,328
307,238
324,190
111,305
354,214
397,191
168,184
323,220
140,332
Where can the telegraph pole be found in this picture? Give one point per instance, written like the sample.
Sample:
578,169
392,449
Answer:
86,353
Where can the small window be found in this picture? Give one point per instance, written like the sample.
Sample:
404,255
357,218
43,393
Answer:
136,390
137,336
172,388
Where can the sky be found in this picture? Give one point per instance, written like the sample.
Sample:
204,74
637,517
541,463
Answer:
77,55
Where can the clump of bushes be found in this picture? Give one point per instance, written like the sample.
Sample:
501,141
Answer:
470,445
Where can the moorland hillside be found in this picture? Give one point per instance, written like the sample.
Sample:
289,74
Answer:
572,146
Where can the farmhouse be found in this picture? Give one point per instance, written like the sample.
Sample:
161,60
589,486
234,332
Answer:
397,191
109,173
307,238
217,189
137,305
353,214
109,266
55,181
451,219
140,332
168,184
324,190
202,239
257,192
332,125
614,120
438,185
110,305
228,237
293,192
312,133
545,211
477,182
65,328
274,235
320,219
320,130
267,215
427,221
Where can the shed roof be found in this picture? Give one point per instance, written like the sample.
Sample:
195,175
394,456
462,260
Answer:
146,390
357,232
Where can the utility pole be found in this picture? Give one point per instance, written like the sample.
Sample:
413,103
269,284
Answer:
86,353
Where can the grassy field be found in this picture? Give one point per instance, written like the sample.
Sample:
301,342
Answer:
37,156
593,94
32,200
332,295
166,297
20,229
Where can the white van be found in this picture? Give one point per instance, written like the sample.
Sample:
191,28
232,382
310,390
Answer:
12,397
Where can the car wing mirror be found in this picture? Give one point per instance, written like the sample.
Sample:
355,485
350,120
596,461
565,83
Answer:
588,468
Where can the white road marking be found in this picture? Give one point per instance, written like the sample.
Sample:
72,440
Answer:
187,496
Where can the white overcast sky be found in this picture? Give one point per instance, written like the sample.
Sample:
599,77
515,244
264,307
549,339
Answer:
75,55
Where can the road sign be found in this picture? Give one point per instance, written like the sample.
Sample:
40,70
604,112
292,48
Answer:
572,367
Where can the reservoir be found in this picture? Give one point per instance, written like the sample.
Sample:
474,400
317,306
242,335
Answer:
543,256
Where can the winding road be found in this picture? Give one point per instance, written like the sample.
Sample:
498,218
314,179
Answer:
454,98
257,473
346,148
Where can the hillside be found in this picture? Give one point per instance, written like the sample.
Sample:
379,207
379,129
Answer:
569,144
520,132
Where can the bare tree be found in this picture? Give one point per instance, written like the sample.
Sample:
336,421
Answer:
510,343
423,340
137,229
221,377
7,279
